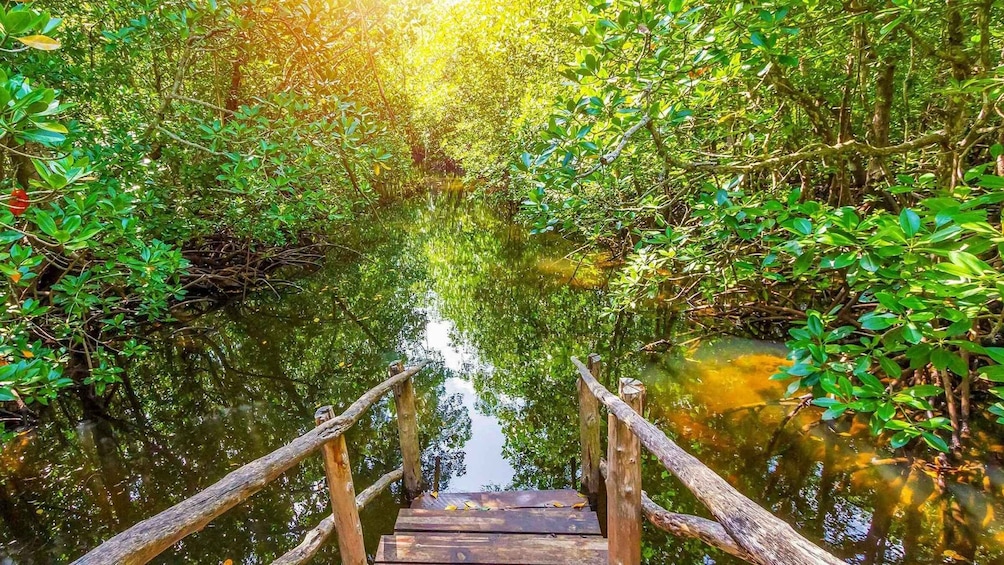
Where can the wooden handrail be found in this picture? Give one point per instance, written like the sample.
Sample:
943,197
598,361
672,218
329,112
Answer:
147,539
687,525
766,538
315,538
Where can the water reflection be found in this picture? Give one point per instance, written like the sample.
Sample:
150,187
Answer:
499,313
868,504
485,468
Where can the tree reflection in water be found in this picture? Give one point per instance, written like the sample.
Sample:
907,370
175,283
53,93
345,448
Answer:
499,313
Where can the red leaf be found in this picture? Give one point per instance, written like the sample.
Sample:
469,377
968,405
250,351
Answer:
18,203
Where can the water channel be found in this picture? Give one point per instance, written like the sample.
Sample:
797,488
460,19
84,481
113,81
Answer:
498,312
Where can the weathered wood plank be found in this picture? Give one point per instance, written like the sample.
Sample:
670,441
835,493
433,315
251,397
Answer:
498,549
768,539
563,498
521,521
147,539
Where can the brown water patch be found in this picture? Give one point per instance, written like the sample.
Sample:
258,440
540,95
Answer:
833,480
584,274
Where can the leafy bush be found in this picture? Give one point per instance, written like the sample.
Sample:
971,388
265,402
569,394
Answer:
741,158
164,149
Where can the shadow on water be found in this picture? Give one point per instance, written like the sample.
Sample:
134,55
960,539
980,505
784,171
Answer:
499,313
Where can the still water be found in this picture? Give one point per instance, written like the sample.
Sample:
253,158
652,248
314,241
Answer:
498,312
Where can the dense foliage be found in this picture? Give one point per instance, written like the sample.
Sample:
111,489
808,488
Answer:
837,165
480,75
157,149
826,162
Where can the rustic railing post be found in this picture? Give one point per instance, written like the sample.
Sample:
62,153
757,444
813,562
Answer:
407,425
624,481
589,433
343,495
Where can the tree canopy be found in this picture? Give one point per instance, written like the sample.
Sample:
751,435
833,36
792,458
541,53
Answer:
833,166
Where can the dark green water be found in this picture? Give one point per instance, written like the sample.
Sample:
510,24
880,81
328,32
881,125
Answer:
498,313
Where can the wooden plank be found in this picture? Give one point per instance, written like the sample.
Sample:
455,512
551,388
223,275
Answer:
563,521
563,498
498,549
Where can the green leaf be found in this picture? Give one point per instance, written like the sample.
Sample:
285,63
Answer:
899,440
909,221
934,441
45,222
897,425
886,411
993,373
924,390
834,412
802,226
912,334
995,353
869,263
17,21
871,383
877,322
788,60
890,367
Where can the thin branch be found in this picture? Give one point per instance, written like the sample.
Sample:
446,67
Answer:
613,155
192,144
201,102
851,146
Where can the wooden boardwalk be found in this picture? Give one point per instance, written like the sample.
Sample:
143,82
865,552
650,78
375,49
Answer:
547,527
502,528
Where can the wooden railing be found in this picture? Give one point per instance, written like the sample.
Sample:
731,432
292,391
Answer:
147,539
741,527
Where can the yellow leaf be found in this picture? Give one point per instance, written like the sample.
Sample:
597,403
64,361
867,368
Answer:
27,354
579,506
451,507
470,504
16,277
317,320
40,42
434,494
376,169
557,505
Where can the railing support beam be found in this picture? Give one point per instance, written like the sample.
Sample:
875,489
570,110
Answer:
624,481
343,495
589,434
407,425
